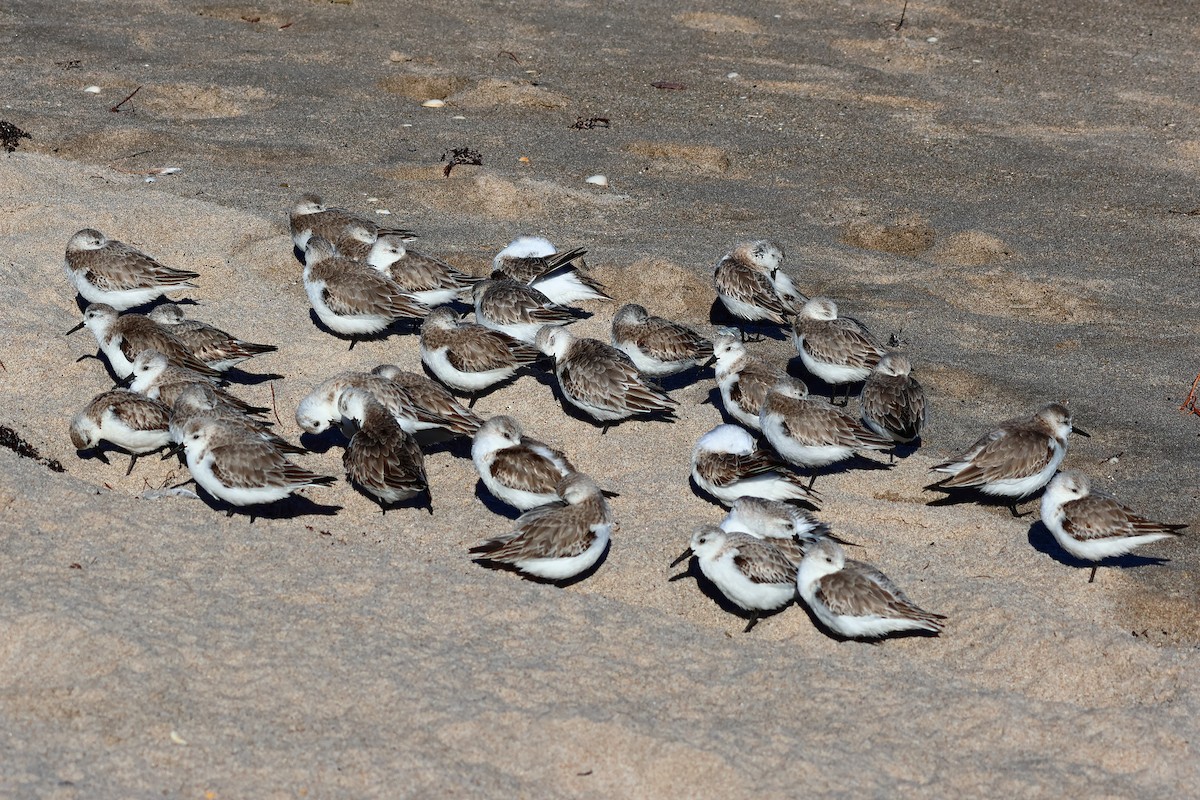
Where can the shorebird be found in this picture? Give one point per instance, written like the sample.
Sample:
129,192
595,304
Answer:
809,432
352,298
1014,460
600,380
560,540
753,573
893,402
728,464
658,347
156,377
854,600
310,217
211,345
751,286
381,459
838,350
106,271
534,261
516,469
743,380
125,419
516,309
1093,526
429,281
200,400
122,336
431,399
783,524
468,357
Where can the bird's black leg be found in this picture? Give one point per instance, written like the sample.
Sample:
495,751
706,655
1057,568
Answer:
1093,576
754,618
132,460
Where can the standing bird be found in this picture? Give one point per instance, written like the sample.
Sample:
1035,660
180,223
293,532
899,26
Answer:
351,298
516,309
1093,526
560,540
429,281
809,432
728,464
211,345
122,336
136,424
657,347
310,217
854,600
468,357
751,286
893,402
106,271
743,380
600,380
239,469
533,260
753,573
381,459
838,350
517,470
1014,460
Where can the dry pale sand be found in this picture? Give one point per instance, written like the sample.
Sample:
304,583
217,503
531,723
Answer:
1011,197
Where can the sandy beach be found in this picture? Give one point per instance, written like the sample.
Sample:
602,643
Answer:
1009,191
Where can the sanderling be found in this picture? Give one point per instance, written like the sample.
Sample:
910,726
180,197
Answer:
560,540
239,469
213,346
355,241
727,464
743,380
809,432
310,217
154,376
892,401
1093,526
468,357
318,410
1014,460
381,459
431,399
599,379
517,470
788,527
516,309
352,298
658,347
854,600
838,350
201,400
122,336
106,271
534,261
745,280
136,424
430,281
753,573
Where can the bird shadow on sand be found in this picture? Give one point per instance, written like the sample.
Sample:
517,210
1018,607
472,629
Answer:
240,376
290,507
958,495
1043,541
719,316
482,560
682,380
322,442
819,388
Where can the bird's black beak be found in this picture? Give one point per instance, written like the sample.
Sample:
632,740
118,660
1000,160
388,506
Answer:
124,382
172,451
682,557
77,327
1080,432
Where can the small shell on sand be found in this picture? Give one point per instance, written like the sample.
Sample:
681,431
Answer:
434,103
597,180
92,89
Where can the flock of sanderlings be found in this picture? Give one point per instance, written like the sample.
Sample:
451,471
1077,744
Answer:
362,280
